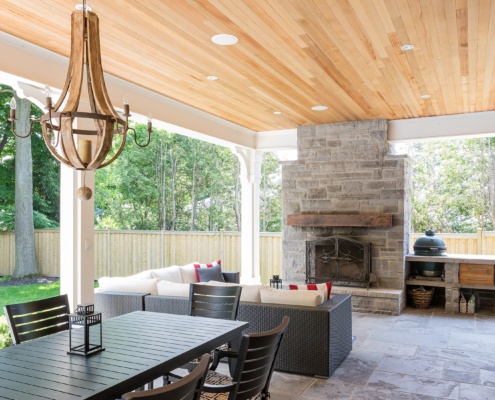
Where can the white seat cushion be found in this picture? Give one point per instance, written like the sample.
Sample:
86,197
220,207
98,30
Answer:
291,297
128,284
166,288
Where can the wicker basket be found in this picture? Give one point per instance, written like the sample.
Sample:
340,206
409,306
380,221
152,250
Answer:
421,297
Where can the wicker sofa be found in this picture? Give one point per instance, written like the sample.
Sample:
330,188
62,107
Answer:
317,341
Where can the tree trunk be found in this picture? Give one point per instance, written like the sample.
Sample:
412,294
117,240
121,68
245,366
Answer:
3,142
25,249
174,170
193,195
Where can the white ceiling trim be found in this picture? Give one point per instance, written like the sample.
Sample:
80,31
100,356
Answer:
455,126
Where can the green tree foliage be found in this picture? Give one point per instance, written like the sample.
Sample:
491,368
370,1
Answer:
270,194
176,183
453,185
46,171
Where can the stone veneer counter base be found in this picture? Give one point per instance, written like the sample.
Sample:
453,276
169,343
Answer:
380,301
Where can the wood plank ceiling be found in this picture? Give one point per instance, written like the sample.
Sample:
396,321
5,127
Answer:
291,54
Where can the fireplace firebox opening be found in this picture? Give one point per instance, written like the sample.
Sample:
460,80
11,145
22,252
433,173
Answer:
342,260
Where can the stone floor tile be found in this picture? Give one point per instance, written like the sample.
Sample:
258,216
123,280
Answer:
369,393
386,348
354,371
331,388
472,342
487,378
461,376
424,367
476,392
411,337
415,384
290,384
475,360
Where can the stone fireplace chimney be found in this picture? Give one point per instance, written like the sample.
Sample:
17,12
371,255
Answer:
346,168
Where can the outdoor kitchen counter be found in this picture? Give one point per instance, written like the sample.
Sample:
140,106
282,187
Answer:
452,280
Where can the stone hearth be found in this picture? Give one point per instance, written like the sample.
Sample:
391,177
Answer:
347,168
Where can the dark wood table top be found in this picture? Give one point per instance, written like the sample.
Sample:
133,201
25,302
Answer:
139,347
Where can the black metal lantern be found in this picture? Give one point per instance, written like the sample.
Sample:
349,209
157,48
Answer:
82,339
276,282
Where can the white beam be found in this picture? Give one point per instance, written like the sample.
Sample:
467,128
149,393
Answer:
41,67
445,127
282,140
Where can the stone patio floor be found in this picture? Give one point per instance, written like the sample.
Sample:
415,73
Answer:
419,355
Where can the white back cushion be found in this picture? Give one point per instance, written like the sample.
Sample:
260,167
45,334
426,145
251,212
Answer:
291,297
170,274
188,273
128,284
141,275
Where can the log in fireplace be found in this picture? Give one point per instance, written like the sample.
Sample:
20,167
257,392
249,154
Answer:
344,261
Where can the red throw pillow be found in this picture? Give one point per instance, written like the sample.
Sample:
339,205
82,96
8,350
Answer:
325,287
208,265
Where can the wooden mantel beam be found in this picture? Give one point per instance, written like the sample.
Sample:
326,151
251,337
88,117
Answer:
376,220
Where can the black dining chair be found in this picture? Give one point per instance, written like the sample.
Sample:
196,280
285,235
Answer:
187,388
38,318
214,301
209,301
253,370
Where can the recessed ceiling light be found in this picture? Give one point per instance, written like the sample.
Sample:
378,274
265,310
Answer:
224,39
425,96
407,47
212,78
277,112
319,108
82,7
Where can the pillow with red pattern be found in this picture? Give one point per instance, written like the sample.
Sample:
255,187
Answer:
325,287
208,265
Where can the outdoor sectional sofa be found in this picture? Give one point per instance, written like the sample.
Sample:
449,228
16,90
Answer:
318,339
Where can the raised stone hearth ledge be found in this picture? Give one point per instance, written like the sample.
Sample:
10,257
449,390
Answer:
381,301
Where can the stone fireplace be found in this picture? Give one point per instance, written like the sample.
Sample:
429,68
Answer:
346,169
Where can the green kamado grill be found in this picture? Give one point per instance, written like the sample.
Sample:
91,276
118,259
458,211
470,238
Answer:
429,245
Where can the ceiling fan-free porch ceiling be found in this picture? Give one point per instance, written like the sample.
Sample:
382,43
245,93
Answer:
291,55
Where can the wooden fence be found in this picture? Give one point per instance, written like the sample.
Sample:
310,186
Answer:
122,253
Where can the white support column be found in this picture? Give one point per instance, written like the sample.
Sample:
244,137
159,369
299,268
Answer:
250,179
77,258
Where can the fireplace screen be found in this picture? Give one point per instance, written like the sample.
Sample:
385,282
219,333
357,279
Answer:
344,261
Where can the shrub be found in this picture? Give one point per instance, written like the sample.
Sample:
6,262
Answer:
5,339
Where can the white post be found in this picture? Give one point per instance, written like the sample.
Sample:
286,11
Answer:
77,261
250,220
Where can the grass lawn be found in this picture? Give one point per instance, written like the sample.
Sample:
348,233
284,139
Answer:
25,293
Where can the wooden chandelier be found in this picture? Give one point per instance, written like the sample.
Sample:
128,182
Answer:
57,124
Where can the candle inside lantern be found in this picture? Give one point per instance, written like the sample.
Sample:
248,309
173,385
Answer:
84,149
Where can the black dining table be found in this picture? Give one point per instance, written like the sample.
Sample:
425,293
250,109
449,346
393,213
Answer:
139,347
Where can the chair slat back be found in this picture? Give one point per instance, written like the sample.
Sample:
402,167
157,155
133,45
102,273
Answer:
38,318
220,302
187,388
254,367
